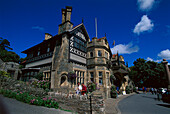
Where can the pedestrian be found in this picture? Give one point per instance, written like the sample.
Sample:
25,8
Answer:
84,89
151,91
155,91
159,94
117,88
143,89
78,89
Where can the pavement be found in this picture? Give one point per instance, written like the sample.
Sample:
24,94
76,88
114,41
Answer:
143,103
111,104
12,106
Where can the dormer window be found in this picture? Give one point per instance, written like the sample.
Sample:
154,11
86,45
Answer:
38,52
48,48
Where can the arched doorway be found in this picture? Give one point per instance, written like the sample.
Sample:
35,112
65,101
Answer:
63,79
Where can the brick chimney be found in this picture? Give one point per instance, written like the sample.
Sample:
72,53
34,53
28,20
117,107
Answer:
66,18
63,15
48,36
68,13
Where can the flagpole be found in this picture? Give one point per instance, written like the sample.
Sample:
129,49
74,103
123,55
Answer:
96,26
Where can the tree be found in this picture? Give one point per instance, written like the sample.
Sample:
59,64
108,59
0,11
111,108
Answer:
4,43
9,56
148,73
5,55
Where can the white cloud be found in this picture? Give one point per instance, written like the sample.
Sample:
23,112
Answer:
38,28
145,5
159,60
144,25
125,49
150,59
165,54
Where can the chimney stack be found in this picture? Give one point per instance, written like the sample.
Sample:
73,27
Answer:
48,36
63,15
68,13
66,18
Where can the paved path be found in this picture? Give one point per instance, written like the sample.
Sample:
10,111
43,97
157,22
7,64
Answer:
143,104
15,107
111,104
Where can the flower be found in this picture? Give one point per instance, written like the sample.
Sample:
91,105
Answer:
49,97
32,101
44,99
55,99
72,75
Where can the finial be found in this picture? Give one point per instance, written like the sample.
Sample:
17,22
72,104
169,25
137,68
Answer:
82,20
164,59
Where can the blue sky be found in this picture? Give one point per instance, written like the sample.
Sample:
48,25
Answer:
140,28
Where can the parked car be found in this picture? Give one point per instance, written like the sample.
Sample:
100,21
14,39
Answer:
166,97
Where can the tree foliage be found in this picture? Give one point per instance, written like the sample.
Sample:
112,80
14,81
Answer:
148,73
5,55
4,43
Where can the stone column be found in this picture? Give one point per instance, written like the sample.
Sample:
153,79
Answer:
167,71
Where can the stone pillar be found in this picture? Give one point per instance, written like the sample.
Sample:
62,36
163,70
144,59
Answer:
167,71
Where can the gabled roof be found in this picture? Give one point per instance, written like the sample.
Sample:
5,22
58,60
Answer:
83,28
57,37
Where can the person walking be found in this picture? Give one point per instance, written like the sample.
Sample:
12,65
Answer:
151,91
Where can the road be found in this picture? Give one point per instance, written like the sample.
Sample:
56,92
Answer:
15,107
143,104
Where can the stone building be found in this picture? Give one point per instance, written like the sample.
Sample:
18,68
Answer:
98,63
12,68
71,51
120,71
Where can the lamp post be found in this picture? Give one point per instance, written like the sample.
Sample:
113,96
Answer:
167,72
90,105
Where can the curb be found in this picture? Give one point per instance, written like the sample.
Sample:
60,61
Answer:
121,98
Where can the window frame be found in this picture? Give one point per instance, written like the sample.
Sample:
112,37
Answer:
98,54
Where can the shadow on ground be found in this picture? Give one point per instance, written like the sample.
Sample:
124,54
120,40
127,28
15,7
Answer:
164,105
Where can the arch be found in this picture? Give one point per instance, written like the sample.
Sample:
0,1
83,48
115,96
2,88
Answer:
63,78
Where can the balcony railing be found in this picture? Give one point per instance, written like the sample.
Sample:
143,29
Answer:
40,57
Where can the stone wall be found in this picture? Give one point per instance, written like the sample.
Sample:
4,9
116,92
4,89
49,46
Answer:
60,64
81,104
11,67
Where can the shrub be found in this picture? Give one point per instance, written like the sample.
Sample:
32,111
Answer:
113,92
5,74
92,87
134,89
45,84
39,76
30,99
127,90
